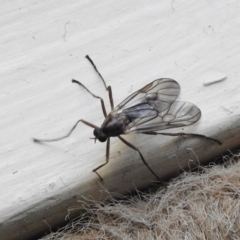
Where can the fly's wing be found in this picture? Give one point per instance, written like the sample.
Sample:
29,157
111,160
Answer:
164,90
156,117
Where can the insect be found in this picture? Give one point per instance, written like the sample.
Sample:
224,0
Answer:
147,111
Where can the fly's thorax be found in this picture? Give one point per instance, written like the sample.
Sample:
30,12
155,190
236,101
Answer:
114,124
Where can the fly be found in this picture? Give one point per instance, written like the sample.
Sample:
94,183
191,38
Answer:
151,109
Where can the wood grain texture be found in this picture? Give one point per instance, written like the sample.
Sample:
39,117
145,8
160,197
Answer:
43,45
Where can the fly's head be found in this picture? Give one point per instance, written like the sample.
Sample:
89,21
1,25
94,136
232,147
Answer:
100,135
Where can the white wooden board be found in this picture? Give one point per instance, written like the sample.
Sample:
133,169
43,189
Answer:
43,45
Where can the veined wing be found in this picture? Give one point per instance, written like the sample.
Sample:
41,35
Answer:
156,118
163,90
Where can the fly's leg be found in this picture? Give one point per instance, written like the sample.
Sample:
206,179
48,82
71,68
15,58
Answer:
67,135
107,159
109,89
102,102
136,149
182,134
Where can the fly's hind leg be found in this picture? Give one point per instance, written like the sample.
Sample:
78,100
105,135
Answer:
182,134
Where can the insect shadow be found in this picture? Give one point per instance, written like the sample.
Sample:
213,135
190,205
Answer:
147,111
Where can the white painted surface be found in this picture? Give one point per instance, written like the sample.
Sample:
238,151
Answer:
43,45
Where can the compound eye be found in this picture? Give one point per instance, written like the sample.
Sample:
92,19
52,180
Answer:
100,135
102,138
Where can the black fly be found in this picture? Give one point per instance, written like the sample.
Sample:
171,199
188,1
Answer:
148,110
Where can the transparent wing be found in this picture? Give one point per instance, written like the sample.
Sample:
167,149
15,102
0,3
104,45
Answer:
155,117
163,90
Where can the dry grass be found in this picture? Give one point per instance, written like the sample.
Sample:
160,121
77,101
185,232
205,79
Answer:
195,205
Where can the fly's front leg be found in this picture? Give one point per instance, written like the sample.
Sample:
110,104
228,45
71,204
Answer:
107,159
67,135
